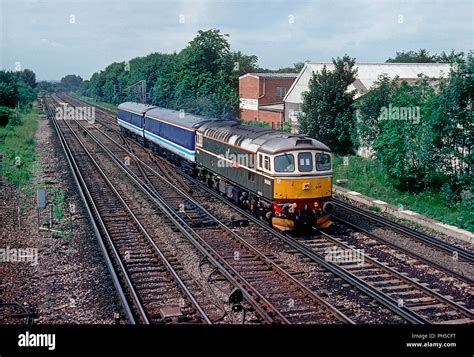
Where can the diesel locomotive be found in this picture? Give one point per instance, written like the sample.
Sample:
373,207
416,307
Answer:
284,178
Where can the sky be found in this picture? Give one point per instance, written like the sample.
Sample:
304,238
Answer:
55,38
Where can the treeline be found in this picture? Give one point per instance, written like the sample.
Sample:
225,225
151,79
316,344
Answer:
17,90
71,82
201,79
421,133
424,56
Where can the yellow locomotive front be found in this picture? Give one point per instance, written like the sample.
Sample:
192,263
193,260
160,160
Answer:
302,195
301,171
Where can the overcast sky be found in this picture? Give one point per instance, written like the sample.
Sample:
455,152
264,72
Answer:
55,38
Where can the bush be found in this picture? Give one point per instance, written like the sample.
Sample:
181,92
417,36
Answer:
4,115
14,119
262,124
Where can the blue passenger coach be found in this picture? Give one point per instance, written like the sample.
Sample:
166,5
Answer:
130,117
163,130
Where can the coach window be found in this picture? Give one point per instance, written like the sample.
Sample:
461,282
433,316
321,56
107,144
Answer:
323,161
285,163
268,167
305,162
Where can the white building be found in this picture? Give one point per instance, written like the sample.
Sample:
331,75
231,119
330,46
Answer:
367,74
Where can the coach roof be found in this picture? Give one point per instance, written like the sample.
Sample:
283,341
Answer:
178,118
135,107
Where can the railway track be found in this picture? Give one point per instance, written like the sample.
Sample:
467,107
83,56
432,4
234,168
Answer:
441,245
264,282
153,287
426,302
409,298
391,287
186,212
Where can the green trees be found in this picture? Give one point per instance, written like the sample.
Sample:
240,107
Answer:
329,114
202,78
71,82
368,107
423,56
16,89
452,131
403,138
8,89
425,141
208,82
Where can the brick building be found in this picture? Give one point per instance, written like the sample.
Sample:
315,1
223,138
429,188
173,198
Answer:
261,96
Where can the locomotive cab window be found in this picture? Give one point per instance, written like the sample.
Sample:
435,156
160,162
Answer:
323,161
285,163
305,162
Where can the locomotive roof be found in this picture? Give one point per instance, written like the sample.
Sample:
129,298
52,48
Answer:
255,138
135,107
179,118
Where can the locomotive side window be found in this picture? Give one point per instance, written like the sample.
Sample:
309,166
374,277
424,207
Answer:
251,159
323,162
260,165
305,162
267,163
199,139
285,163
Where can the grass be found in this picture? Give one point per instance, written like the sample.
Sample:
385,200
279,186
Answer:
18,148
104,105
367,177
57,198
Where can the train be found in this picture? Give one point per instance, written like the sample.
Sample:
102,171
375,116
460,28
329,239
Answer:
283,178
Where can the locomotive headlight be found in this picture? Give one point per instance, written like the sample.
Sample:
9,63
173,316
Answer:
306,186
328,207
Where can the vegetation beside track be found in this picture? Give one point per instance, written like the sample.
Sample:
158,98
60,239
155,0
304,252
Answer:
18,149
368,177
104,105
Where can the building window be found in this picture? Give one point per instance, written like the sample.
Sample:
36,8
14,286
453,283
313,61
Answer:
281,91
